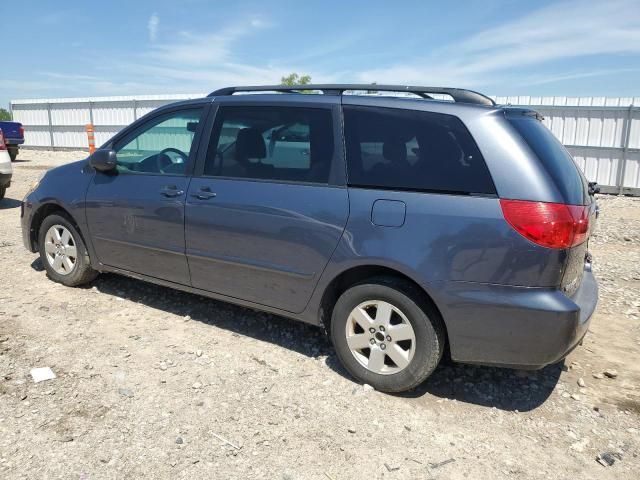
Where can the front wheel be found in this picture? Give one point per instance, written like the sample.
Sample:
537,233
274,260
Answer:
3,190
387,335
63,252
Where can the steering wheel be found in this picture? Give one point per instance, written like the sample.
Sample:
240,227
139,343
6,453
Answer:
163,160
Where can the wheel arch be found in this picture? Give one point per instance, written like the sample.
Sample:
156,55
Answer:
43,211
356,274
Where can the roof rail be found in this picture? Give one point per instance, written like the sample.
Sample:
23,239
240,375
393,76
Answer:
458,94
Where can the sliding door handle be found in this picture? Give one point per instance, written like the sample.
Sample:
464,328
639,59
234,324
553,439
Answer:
203,194
171,191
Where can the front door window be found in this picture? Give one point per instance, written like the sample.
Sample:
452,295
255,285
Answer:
161,147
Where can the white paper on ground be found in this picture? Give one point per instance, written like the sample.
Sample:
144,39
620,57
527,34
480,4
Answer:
42,374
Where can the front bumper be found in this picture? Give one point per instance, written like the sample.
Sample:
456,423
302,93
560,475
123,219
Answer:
516,327
5,179
26,217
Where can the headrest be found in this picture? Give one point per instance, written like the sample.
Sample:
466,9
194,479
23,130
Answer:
394,151
250,144
440,144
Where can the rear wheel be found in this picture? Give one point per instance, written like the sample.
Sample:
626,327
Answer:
3,190
386,335
63,252
13,153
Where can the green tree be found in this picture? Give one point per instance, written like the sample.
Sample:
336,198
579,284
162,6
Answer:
5,115
295,79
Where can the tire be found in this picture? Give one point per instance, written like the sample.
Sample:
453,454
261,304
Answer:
78,269
3,190
419,356
13,153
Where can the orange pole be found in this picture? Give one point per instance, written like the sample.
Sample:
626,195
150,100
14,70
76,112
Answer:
91,137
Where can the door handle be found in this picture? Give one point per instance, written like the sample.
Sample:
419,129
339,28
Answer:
203,195
171,191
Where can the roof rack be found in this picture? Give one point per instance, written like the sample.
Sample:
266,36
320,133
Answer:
458,94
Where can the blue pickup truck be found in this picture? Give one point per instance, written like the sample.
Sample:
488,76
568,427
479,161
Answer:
13,137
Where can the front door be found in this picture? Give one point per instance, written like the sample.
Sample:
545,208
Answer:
264,216
136,214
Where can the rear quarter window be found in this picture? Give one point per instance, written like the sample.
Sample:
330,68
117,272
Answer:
412,150
557,161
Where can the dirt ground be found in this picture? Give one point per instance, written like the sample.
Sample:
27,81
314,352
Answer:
155,383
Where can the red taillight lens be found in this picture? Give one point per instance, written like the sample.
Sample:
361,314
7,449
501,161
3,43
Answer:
552,225
22,132
3,146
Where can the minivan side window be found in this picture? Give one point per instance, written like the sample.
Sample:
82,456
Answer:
161,146
412,150
292,144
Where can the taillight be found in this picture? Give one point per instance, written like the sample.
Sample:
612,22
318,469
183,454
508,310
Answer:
552,225
3,146
21,131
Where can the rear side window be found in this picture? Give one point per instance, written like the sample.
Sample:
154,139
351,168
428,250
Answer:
412,150
557,161
292,144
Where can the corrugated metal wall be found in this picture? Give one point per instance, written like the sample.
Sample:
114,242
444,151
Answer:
60,122
603,134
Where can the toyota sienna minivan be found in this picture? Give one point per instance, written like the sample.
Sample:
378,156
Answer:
403,225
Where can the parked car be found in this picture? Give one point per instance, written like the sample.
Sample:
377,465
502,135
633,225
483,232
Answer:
13,137
403,226
6,171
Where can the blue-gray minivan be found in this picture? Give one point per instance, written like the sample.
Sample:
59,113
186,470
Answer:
403,225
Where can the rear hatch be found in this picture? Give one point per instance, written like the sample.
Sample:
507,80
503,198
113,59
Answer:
572,187
12,131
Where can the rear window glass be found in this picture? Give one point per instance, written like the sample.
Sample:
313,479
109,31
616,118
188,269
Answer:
557,161
412,150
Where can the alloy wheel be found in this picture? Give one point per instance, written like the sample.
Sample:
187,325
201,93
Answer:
60,249
380,337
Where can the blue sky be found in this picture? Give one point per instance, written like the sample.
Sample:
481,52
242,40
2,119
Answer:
500,47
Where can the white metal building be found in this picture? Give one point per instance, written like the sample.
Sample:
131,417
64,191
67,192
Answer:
603,134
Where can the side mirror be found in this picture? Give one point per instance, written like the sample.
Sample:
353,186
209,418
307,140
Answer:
103,160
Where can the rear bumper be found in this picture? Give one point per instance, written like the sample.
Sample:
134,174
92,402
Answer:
516,327
14,141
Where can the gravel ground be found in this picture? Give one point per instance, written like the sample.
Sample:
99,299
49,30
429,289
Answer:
161,384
